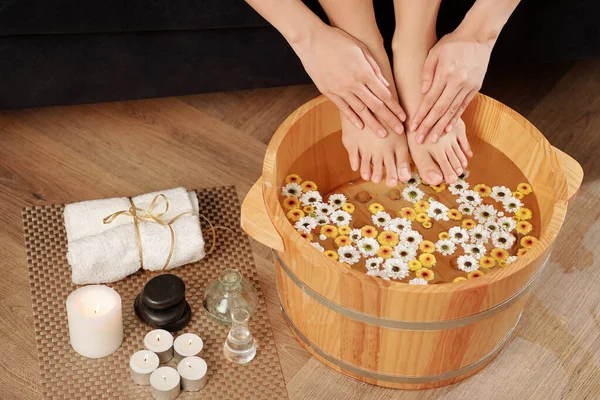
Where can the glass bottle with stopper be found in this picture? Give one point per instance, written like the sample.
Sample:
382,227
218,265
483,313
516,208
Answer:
229,292
240,346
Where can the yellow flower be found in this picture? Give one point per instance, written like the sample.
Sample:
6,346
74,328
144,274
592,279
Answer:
487,262
307,186
422,217
524,188
524,227
348,207
528,241
293,178
475,274
341,241
483,190
384,252
295,215
307,236
499,254
444,236
426,246
344,230
347,265
425,273
408,213
468,223
439,188
427,224
502,263
427,260
459,279
375,208
414,265
522,252
454,214
523,214
331,254
421,206
291,203
388,238
329,230
369,231
518,195
308,209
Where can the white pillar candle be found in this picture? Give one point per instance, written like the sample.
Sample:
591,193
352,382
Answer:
95,321
164,383
187,345
160,342
143,363
193,371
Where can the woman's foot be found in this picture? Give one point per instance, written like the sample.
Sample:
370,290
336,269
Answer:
374,156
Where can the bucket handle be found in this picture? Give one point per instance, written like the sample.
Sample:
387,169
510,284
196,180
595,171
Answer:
255,219
572,170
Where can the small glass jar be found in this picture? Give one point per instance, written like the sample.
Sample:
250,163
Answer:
230,292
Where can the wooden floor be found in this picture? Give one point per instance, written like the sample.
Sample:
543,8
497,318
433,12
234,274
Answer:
69,154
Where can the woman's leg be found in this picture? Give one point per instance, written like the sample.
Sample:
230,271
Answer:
414,36
368,152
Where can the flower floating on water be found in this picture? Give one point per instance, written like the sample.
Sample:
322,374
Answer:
342,241
344,230
293,178
458,235
479,234
349,255
355,234
323,208
305,224
458,187
369,231
308,186
307,236
518,195
290,203
439,188
422,217
459,279
492,226
331,254
322,238
308,209
507,224
414,265
417,281
427,260
367,246
317,246
512,205
475,250
425,273
348,207
414,180
475,274
503,240
411,237
311,198
381,219
438,211
405,253
445,247
511,260
523,214
499,254
421,206
322,219
454,214
340,218
500,193
427,225
388,238
407,213
528,241
466,209
329,231
395,268
375,208
443,236
521,252
337,200
468,223
524,188
412,194
373,263
292,189
295,215
470,197
427,246
385,252
487,262
483,190
484,213
467,263
398,225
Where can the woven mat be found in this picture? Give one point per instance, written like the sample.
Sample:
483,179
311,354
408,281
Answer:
68,375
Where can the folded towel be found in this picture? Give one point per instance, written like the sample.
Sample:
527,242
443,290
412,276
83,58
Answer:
100,253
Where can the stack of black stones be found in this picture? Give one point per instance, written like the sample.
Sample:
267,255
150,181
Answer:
162,304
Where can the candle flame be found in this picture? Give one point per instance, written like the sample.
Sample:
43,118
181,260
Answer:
190,342
97,309
189,365
158,337
145,357
164,378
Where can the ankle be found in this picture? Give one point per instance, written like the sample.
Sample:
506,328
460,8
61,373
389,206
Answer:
411,42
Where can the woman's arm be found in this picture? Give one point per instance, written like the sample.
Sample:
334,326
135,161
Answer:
456,66
340,66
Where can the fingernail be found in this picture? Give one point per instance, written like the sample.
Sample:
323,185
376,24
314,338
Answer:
386,83
404,173
413,127
402,117
449,128
435,177
433,138
381,132
358,124
420,139
399,129
423,87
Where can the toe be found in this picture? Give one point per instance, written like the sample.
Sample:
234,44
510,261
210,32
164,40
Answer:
391,172
354,159
377,169
460,155
365,166
449,174
454,161
428,169
403,164
464,143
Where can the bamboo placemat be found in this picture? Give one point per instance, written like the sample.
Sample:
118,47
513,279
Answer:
68,375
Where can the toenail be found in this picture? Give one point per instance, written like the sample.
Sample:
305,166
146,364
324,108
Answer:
464,164
435,177
404,173
365,177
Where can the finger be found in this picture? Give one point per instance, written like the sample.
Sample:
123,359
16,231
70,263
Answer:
438,110
428,72
428,101
389,102
461,156
377,169
365,166
467,100
440,126
449,174
454,161
346,110
378,107
375,67
391,172
365,114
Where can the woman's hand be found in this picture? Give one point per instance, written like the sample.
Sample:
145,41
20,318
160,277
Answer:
343,70
452,76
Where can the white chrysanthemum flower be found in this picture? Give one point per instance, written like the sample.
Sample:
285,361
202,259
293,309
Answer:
500,214
475,250
337,200
507,224
355,234
503,239
417,281
368,246
479,234
322,219
349,255
311,198
323,208
438,211
292,190
396,269
470,197
458,234
411,238
445,247
373,272
500,193
414,181
511,260
382,273
373,263
381,219
492,226
485,213
458,188
340,218
512,204
323,237
317,246
398,225
405,252
305,224
412,194
467,263
466,209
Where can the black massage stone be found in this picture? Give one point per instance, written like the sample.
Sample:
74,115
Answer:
181,322
160,317
163,291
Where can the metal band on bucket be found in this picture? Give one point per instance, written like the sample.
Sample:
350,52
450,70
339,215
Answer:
407,325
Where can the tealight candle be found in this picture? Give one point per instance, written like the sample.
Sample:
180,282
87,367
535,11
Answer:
187,345
193,373
160,342
142,364
164,383
95,321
